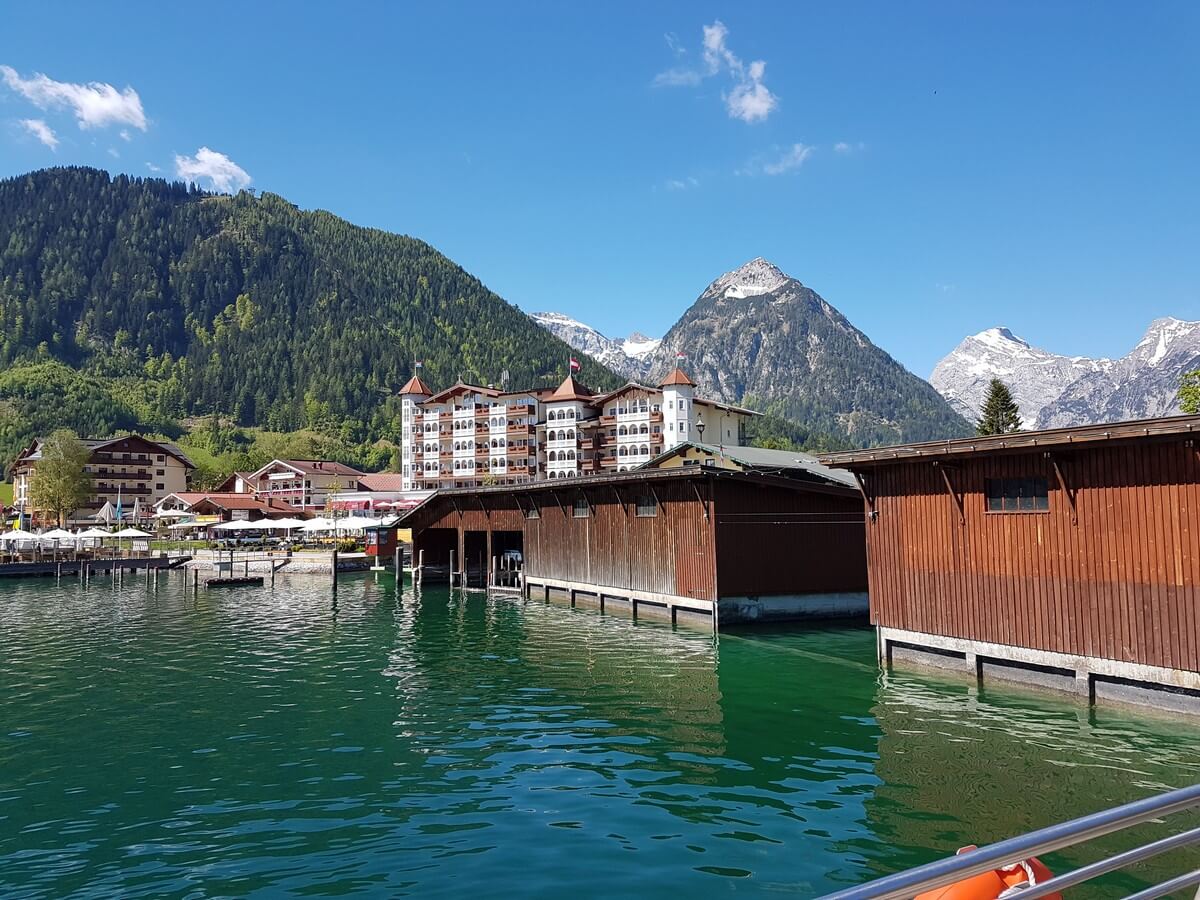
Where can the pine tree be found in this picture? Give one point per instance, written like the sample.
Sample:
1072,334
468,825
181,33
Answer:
1000,412
1189,393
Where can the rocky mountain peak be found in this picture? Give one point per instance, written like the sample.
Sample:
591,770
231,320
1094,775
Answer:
1056,391
749,280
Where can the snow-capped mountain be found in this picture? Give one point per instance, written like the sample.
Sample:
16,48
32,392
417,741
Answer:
1036,377
626,357
1056,391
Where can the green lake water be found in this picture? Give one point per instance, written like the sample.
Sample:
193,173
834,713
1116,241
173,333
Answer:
265,742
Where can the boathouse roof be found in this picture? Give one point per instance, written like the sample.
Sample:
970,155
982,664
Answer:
1019,441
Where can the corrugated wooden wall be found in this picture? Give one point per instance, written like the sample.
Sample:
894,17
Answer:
772,541
1121,583
669,553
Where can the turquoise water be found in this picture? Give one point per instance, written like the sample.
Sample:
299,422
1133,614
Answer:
270,742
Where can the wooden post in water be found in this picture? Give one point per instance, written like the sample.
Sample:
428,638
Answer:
335,570
420,579
196,581
451,568
396,563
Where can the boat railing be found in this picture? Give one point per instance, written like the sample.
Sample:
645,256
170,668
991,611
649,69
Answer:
907,884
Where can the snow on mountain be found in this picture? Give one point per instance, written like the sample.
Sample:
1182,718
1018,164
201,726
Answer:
1055,391
1035,376
626,357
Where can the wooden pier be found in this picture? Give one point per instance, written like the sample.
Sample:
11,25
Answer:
45,567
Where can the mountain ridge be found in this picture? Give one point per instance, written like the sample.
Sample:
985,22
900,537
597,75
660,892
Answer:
756,335
1054,390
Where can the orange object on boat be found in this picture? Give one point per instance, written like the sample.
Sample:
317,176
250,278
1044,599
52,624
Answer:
1007,882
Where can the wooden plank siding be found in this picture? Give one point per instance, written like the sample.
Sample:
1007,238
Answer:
764,535
772,542
668,553
1117,580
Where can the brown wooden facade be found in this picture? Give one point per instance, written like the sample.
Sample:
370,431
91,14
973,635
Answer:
680,534
1109,570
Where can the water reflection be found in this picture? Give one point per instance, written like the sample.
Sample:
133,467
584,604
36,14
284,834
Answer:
156,740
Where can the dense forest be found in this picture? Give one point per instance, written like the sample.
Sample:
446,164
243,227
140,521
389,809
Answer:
130,303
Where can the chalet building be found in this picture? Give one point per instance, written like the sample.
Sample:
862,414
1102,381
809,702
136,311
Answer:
218,506
468,435
692,542
131,468
303,484
1068,557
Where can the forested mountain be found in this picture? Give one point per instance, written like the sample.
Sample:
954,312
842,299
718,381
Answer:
163,302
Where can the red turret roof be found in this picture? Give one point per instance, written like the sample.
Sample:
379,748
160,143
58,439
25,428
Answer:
415,385
677,377
570,389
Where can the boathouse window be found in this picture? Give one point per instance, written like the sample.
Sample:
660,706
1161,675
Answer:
647,506
1017,494
533,512
580,510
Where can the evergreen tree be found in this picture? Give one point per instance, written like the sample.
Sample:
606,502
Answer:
1000,412
59,483
1189,392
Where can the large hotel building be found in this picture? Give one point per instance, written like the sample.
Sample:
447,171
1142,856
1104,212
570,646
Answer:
468,435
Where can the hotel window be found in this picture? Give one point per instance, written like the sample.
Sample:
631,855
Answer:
581,510
160,487
1017,494
647,506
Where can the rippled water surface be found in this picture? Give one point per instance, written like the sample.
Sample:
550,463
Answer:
265,742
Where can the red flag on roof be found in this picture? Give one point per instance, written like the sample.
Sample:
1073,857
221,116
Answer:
575,366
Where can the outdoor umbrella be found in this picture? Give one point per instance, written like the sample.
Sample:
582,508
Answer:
131,533
106,514
317,525
55,534
17,535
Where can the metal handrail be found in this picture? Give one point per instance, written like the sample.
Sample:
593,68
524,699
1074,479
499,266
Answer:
907,884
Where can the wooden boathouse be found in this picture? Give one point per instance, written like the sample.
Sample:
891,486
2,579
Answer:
691,542
1068,557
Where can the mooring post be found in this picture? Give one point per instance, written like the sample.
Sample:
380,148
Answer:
420,567
451,568
495,568
334,568
196,580
396,563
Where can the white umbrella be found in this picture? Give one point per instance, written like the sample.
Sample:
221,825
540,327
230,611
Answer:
106,514
17,534
131,533
94,534
228,526
356,523
188,525
56,534
288,523
317,525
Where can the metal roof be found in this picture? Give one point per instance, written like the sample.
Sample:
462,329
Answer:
766,461
635,476
1019,441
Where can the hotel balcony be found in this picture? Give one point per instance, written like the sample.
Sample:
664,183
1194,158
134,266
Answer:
121,476
520,429
136,459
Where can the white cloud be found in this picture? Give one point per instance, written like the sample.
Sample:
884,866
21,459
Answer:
222,172
114,152
845,147
779,162
41,131
672,40
678,78
791,160
152,167
95,104
682,184
749,98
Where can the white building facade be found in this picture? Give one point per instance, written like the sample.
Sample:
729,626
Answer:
469,435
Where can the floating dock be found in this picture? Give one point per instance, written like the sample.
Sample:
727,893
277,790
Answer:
42,568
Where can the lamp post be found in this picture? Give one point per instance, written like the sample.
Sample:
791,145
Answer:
700,427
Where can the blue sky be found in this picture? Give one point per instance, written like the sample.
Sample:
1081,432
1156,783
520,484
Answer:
931,169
